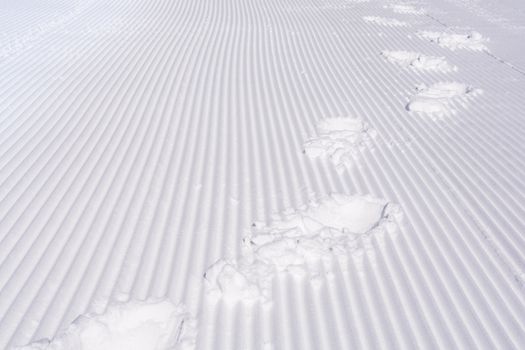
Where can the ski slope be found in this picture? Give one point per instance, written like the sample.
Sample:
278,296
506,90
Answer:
262,174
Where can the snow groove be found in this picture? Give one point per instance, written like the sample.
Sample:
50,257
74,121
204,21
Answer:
139,140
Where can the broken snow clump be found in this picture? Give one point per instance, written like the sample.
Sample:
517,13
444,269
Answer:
470,41
336,226
418,61
138,325
339,140
437,98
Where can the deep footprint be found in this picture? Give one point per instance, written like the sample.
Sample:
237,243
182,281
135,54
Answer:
336,226
418,61
140,325
469,41
436,99
339,140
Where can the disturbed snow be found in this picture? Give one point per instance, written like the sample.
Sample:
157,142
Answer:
336,226
138,325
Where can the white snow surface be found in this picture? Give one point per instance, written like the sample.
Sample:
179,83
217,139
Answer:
418,61
469,41
437,99
339,140
383,21
133,325
141,139
335,226
404,8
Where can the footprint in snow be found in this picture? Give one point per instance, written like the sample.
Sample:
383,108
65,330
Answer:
133,324
437,99
339,140
406,9
418,61
382,21
336,226
469,41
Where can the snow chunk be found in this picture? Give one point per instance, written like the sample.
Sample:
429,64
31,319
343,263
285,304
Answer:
406,9
336,226
469,41
436,99
147,325
391,22
339,140
418,61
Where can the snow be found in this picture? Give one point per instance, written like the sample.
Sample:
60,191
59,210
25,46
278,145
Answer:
382,21
418,61
335,226
339,140
403,8
469,41
139,325
437,99
222,174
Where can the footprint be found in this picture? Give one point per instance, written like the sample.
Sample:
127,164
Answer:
339,140
406,9
437,98
129,325
390,22
470,41
418,61
335,226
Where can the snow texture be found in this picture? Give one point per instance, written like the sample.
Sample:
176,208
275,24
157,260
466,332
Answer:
418,61
390,22
336,226
339,140
406,9
137,325
469,41
436,99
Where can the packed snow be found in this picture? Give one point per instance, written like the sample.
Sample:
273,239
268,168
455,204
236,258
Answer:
402,8
437,99
336,226
382,21
339,140
469,41
139,140
138,325
418,61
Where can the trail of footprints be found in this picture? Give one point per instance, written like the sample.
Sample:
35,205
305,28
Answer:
320,233
337,226
438,99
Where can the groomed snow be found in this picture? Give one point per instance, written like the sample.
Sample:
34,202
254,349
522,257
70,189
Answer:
339,140
404,8
335,226
383,21
221,174
454,41
438,98
418,61
133,325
